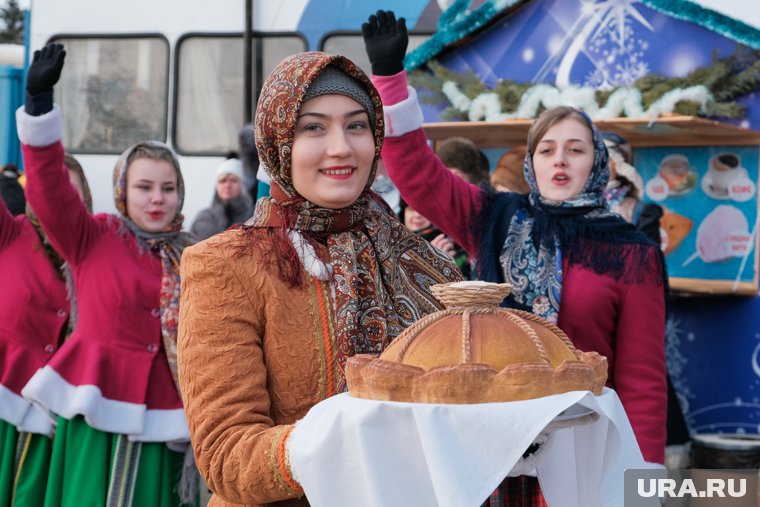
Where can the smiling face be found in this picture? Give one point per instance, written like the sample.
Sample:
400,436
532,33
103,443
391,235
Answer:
152,197
333,151
563,159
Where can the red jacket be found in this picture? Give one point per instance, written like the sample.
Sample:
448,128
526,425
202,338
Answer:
113,368
33,314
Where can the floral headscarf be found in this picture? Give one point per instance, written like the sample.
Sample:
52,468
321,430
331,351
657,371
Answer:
545,230
168,245
381,272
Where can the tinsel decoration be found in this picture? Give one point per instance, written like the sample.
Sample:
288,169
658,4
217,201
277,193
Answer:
710,91
454,24
689,11
458,21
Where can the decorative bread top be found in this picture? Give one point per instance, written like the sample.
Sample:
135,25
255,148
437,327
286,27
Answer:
476,352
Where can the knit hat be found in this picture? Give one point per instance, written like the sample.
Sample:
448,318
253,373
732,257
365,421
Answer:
231,166
333,81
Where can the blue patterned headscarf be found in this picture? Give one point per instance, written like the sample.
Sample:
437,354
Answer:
544,230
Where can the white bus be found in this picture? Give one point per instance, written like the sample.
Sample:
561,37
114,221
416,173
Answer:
173,70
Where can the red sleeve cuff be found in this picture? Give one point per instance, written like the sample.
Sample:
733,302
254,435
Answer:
392,89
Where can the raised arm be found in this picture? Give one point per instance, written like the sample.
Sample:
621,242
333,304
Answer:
424,181
61,212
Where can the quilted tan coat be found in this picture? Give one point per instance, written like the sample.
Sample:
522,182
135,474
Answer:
228,372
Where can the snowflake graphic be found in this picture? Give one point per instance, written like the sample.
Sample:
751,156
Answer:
613,48
628,72
676,362
596,78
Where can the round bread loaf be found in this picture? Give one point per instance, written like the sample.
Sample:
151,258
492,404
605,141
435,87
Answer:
476,352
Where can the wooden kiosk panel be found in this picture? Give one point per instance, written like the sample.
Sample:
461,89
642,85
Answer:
703,173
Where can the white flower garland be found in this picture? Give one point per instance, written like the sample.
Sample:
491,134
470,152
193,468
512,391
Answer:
458,99
623,101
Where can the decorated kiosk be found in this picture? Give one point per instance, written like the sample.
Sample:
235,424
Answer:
679,81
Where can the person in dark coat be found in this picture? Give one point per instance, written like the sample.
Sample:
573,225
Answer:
230,206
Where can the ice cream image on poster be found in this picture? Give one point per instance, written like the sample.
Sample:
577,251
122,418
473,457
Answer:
724,235
727,179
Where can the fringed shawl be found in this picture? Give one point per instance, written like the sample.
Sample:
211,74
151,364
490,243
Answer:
524,238
380,271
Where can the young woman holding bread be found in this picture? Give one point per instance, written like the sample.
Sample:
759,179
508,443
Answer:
271,311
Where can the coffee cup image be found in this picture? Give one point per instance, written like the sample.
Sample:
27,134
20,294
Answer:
724,168
677,172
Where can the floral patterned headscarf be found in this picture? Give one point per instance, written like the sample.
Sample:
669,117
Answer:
168,244
541,233
381,272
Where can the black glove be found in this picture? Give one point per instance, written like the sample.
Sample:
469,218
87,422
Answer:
42,75
385,40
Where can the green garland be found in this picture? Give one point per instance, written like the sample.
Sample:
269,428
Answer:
726,79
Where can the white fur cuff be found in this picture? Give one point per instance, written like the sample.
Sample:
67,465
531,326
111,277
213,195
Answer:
39,131
403,117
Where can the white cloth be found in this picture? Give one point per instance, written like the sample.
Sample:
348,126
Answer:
350,451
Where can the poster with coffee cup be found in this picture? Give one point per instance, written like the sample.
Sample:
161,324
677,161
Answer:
727,179
710,194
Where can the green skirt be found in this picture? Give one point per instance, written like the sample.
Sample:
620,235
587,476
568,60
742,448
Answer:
24,465
8,437
92,468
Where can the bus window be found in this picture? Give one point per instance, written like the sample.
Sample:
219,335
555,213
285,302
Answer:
114,90
209,87
351,45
